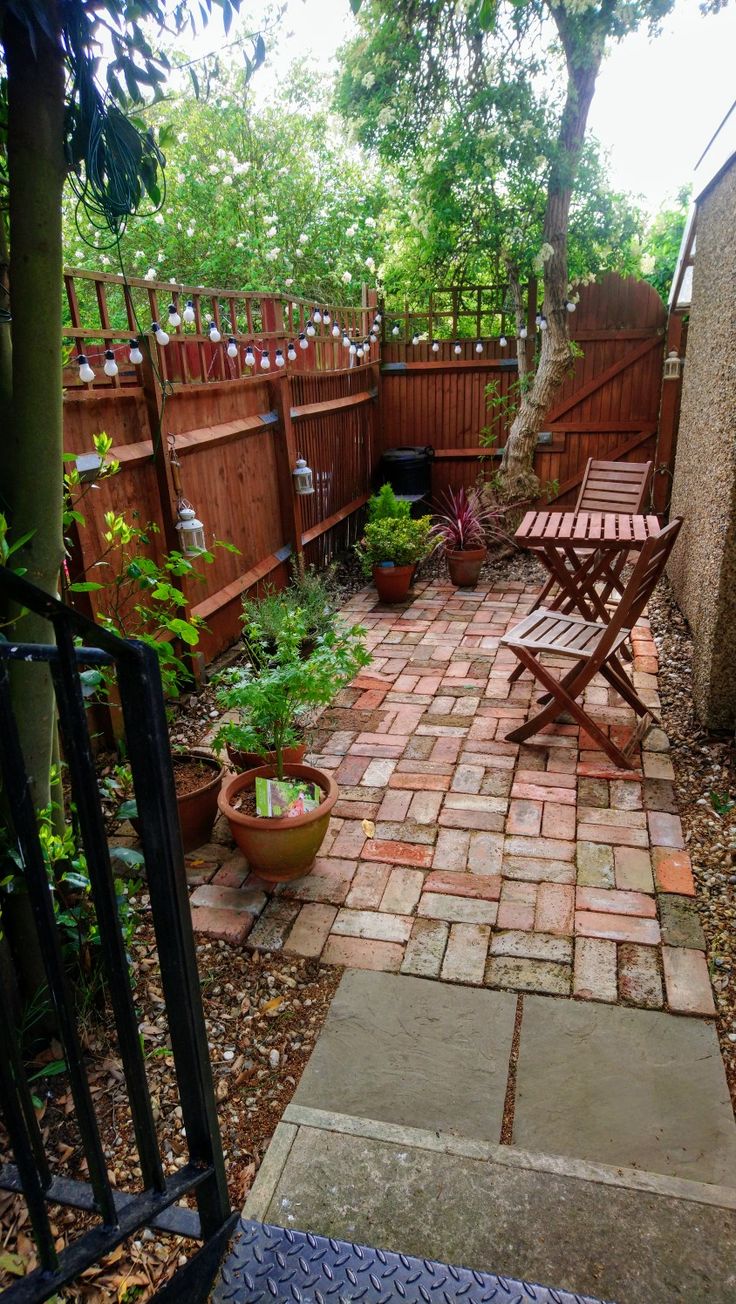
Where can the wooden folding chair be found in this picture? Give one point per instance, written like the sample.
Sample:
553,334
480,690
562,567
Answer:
607,487
595,647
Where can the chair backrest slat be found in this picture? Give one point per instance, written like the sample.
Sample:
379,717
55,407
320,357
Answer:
614,487
649,566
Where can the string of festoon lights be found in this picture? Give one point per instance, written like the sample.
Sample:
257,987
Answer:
254,356
540,322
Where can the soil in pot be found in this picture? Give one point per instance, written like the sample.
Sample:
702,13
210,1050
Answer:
465,566
393,582
282,848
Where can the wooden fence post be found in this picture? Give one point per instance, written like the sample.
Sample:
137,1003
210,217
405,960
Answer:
669,419
291,508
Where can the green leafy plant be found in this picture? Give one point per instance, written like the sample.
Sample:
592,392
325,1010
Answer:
404,542
274,693
385,506
721,803
263,618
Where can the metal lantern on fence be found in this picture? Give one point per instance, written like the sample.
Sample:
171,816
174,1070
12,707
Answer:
303,479
191,532
673,366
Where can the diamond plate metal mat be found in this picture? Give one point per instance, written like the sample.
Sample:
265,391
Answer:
273,1265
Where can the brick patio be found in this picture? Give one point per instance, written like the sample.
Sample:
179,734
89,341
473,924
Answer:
533,868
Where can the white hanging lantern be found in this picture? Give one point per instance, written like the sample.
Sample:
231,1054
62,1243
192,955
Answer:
135,355
188,313
302,477
673,366
162,338
174,318
232,348
191,532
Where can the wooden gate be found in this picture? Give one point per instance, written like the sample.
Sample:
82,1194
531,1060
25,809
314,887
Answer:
607,408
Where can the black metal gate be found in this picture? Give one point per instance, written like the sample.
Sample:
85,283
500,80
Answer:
119,1213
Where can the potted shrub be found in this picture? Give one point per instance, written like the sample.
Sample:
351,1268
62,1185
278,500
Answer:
272,698
462,526
390,551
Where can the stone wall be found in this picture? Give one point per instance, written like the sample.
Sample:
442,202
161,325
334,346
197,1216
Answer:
703,566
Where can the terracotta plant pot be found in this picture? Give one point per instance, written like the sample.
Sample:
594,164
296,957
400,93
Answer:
465,567
197,809
393,582
252,760
285,848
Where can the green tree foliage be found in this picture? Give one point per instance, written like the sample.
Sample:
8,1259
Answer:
662,242
255,199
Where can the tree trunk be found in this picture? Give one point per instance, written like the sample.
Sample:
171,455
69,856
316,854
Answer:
31,462
517,466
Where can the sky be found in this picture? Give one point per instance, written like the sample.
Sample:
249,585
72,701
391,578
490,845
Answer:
657,102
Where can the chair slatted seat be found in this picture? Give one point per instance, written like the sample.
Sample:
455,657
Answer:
594,646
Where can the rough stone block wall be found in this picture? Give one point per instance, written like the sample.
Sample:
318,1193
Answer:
703,565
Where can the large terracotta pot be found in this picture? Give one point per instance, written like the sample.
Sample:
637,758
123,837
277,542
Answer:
465,567
393,582
278,849
252,760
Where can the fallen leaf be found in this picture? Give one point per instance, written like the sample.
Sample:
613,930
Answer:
369,828
272,1004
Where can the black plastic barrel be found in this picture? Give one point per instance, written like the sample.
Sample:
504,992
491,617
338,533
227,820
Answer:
408,470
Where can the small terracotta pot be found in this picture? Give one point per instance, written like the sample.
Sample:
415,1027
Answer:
252,760
465,567
285,848
197,810
393,582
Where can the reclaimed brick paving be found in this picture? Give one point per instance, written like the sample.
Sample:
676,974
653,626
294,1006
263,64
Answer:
537,867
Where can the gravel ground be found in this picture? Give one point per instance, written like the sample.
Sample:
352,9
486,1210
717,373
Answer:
705,774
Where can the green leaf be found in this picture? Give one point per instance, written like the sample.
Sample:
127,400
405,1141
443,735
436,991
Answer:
186,632
127,810
85,586
128,856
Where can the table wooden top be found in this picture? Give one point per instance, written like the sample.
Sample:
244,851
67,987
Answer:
607,530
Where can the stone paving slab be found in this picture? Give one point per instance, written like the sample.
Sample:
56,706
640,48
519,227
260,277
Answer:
584,1232
404,1049
621,1086
417,745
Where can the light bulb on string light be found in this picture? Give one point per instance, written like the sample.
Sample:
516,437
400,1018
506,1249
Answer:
415,339
359,351
478,346
85,371
310,329
250,357
542,323
303,341
317,316
232,347
345,340
435,346
188,315
366,346
111,367
336,330
538,320
523,332
291,353
378,319
265,360
135,355
161,337
353,350
280,360
326,318
173,314
571,305
394,330
457,349
214,333
503,342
